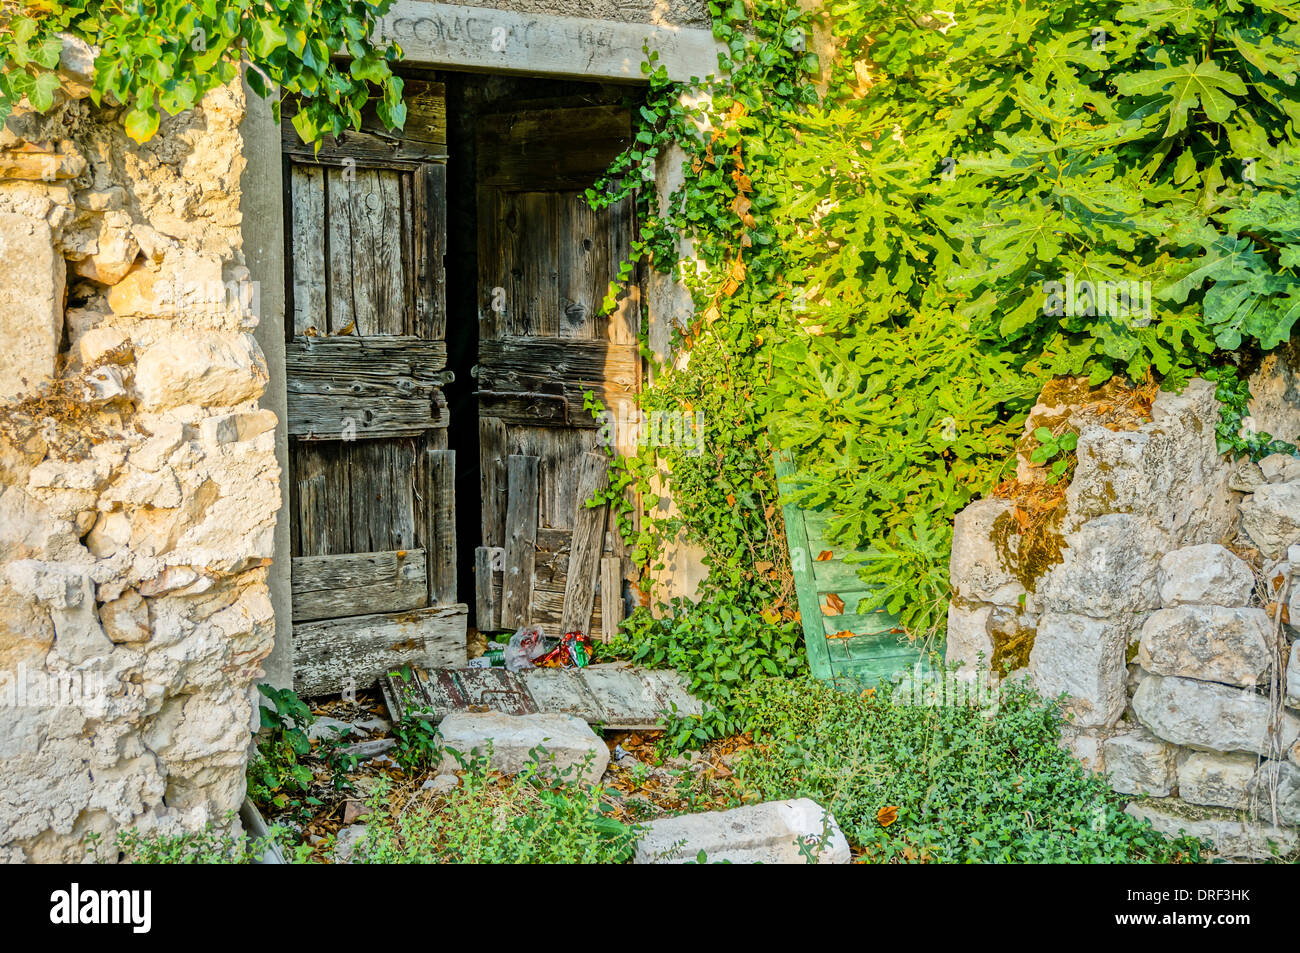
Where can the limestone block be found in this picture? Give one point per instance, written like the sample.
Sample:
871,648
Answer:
1084,658
95,342
1086,745
1217,780
1231,836
32,279
569,742
1209,717
1275,393
208,368
115,253
167,436
1211,643
1271,517
1280,468
1207,574
1139,763
976,568
126,618
1167,473
236,427
968,642
1108,567
768,833
1275,792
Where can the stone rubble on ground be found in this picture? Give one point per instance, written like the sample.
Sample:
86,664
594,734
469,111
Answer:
767,833
570,746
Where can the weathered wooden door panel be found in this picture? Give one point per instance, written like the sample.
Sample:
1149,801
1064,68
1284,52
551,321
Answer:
371,478
546,260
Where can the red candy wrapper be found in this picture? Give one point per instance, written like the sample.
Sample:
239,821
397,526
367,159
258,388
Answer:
574,651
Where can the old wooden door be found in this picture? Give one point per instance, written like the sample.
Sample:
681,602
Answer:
546,260
371,479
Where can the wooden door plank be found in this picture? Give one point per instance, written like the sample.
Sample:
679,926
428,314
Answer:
611,591
487,610
564,691
351,584
331,654
347,417
521,539
588,542
307,222
493,480
440,509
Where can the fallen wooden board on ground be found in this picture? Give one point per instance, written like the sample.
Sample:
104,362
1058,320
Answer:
612,695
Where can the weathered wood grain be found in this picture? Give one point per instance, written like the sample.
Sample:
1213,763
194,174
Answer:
368,261
440,510
333,654
611,591
423,138
521,539
588,542
391,365
307,247
348,417
492,479
352,584
535,150
487,610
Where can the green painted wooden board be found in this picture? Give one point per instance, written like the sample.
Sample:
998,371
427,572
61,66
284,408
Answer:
877,649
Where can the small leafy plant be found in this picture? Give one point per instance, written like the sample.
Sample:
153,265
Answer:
1055,451
417,747
277,778
533,817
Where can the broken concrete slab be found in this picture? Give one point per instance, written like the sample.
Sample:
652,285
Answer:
569,743
775,832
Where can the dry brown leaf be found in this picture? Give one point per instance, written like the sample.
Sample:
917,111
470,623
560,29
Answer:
833,604
824,555
887,815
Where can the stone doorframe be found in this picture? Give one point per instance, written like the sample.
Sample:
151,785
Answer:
479,39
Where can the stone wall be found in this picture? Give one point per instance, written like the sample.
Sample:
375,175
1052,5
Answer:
1156,600
138,482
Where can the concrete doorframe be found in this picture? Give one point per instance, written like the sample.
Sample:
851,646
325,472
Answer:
444,36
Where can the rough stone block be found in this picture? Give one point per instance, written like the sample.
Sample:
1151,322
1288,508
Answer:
1217,780
1205,575
1139,763
1275,793
1271,517
209,368
1280,468
1168,473
1231,836
977,569
32,278
968,641
1211,643
1209,717
1108,567
769,833
1084,658
568,741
